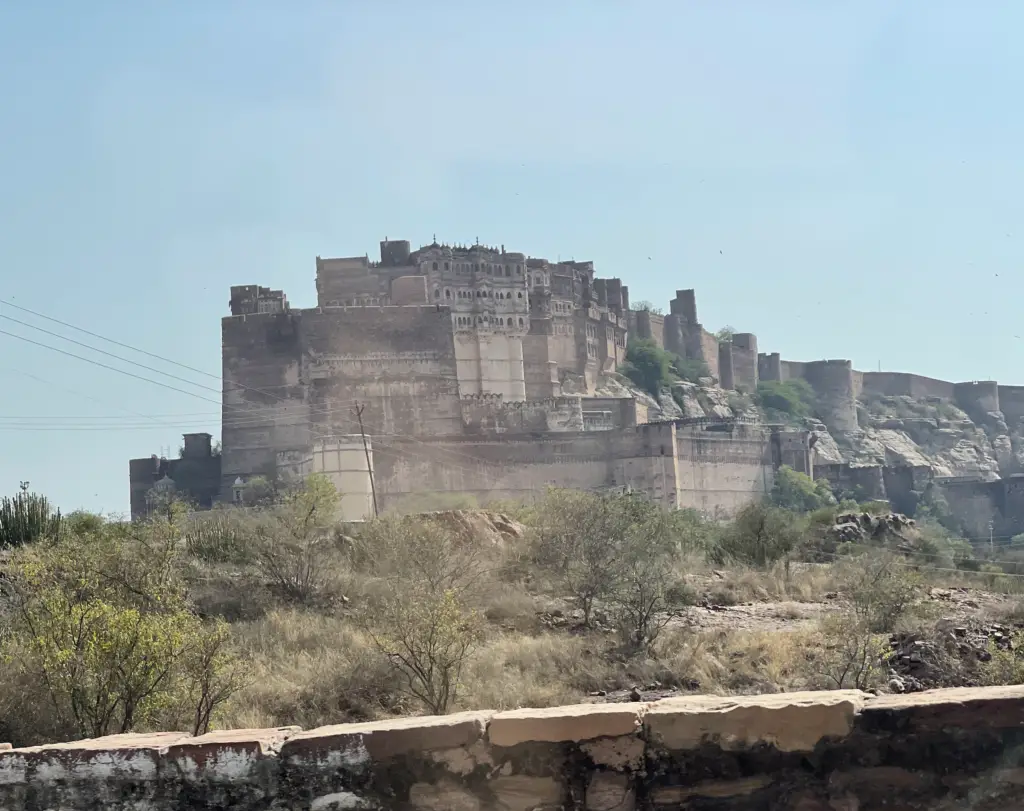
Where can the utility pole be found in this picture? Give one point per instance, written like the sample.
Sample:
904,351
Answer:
366,450
991,541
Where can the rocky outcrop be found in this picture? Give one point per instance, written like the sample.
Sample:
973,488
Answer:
825,751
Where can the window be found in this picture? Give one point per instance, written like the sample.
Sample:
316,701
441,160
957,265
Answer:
437,292
519,270
508,323
520,295
434,266
447,293
520,322
508,270
446,266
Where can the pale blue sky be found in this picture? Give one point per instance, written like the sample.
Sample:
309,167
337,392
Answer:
842,179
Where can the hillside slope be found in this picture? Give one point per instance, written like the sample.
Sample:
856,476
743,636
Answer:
894,430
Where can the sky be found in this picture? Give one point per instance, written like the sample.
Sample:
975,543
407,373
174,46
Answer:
842,179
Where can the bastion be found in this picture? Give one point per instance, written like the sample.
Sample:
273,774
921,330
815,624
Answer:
822,751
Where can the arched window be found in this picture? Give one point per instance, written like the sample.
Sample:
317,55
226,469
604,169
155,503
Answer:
447,293
520,295
435,266
508,323
437,292
520,322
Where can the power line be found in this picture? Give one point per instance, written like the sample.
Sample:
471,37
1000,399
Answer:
106,366
110,354
7,303
225,407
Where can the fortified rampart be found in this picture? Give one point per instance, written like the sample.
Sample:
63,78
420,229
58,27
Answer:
296,376
825,751
984,507
490,414
451,344
715,467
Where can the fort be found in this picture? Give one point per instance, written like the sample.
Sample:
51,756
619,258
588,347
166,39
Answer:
822,751
475,371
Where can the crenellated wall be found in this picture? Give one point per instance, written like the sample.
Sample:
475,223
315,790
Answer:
823,751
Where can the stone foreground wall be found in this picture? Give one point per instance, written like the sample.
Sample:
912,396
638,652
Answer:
824,751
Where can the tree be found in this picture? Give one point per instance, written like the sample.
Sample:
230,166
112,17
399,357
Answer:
582,537
647,593
689,369
797,491
725,334
646,307
424,574
881,589
102,625
760,535
789,399
26,518
294,540
427,637
853,655
648,365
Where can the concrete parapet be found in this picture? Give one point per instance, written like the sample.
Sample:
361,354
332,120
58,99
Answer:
824,750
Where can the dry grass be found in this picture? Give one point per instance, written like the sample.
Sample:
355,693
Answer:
311,670
743,662
802,583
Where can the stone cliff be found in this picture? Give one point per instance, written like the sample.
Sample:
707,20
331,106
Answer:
893,430
825,751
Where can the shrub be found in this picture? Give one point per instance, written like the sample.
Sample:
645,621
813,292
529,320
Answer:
294,541
646,306
648,366
881,589
760,535
102,624
725,334
853,655
689,369
790,399
425,575
797,491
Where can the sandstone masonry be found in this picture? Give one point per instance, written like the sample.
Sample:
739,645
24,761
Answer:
822,751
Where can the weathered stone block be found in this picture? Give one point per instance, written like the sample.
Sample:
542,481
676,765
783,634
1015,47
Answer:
582,722
607,791
524,793
790,722
379,740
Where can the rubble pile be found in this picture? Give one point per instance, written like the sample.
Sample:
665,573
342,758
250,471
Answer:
864,527
951,655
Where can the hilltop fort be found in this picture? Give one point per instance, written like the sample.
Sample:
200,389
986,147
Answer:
471,371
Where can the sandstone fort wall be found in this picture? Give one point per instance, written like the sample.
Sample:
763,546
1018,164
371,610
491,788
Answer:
825,751
714,468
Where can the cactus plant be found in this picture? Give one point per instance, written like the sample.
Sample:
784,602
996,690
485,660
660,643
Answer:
27,517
